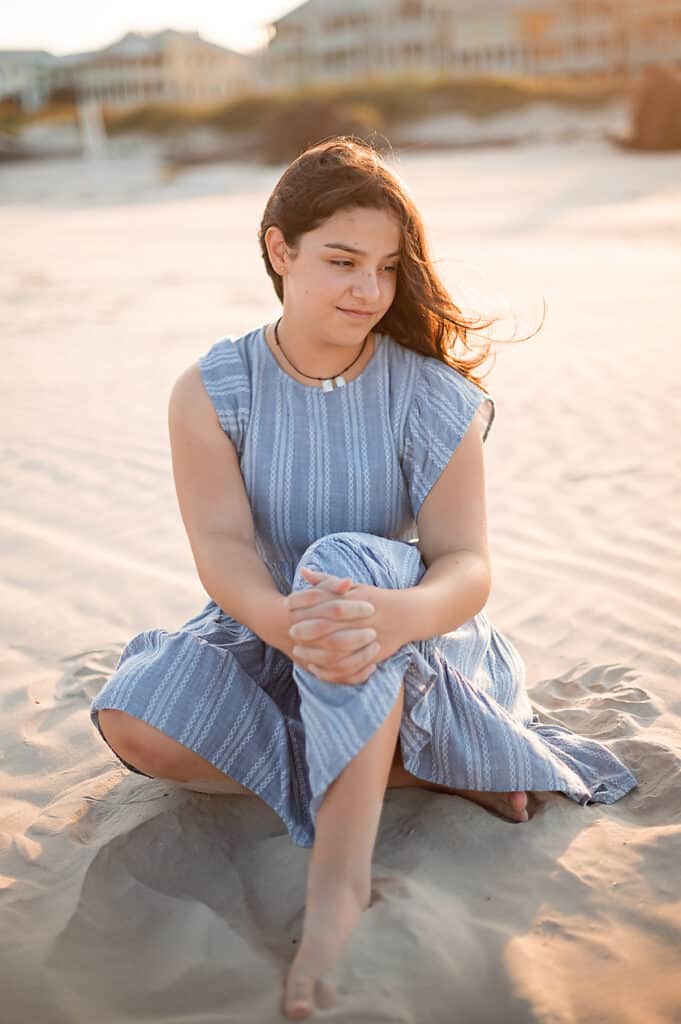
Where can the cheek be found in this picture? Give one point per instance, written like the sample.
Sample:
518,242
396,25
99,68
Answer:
390,289
327,281
321,285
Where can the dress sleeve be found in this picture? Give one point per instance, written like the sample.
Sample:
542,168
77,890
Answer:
225,378
443,406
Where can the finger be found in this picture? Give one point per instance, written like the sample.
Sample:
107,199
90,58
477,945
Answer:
360,659
322,620
326,606
317,632
328,579
317,574
318,592
335,584
336,661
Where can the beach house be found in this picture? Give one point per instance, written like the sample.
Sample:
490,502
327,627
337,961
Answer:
341,40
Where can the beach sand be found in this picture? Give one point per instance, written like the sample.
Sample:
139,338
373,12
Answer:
126,899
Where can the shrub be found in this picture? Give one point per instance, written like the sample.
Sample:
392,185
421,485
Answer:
290,128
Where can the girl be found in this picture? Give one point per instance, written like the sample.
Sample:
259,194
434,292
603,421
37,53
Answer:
329,473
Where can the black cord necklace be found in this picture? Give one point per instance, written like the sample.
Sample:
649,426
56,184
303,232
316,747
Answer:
328,383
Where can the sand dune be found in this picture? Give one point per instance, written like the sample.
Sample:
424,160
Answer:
127,899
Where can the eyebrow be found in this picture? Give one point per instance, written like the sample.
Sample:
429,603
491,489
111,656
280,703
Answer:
360,252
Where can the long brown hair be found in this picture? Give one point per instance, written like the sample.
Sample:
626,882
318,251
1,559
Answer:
345,172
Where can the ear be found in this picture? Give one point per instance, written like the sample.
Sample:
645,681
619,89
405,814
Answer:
277,250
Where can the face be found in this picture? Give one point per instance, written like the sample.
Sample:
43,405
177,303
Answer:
348,263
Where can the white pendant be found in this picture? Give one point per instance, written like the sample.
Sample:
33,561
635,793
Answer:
327,385
340,382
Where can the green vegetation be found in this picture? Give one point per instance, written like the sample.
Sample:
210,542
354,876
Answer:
386,103
408,97
13,118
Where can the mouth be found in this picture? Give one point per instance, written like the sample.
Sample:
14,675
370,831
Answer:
355,314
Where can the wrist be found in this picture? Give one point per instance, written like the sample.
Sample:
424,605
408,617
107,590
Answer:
453,589
412,614
275,623
401,612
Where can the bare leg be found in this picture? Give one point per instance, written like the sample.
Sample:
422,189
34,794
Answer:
516,806
162,757
339,875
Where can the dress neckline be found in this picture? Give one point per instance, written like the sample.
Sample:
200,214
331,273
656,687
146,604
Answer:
316,387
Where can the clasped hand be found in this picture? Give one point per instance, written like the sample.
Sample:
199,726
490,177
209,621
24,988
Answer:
340,630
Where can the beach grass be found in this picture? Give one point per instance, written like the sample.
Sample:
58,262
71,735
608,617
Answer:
391,102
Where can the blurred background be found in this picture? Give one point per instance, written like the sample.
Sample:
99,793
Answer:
207,83
138,146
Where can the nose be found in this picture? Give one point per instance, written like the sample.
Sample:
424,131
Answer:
366,286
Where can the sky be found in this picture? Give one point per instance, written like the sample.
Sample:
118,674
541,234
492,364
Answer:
70,26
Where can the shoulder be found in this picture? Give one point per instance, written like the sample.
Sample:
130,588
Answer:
443,395
438,375
224,371
227,354
225,367
428,374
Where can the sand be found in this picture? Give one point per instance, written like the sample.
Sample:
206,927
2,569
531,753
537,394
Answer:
126,899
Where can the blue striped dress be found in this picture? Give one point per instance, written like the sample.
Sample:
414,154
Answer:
335,481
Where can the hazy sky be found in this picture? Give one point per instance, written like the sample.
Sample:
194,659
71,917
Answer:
68,26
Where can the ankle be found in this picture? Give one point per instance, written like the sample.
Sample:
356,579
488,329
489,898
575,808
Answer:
334,888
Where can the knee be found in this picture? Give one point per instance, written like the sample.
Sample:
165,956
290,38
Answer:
134,741
348,553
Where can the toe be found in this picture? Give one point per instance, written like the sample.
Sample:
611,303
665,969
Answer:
299,998
326,994
518,802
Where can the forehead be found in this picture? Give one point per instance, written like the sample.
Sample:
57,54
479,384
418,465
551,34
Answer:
365,228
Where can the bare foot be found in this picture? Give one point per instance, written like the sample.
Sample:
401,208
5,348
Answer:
511,806
330,918
517,806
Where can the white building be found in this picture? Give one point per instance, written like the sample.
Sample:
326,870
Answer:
22,75
336,41
161,67
651,32
341,40
168,66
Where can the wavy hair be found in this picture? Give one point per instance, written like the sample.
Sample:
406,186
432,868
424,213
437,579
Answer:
346,172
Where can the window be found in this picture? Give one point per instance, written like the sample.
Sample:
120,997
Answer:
343,21
411,9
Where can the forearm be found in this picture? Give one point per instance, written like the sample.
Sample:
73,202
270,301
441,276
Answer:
223,565
454,588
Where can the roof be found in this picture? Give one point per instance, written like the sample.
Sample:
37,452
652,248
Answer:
305,8
296,12
134,44
29,54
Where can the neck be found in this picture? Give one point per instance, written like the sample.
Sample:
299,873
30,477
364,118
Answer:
319,356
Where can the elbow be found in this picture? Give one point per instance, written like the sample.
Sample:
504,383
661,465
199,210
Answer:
486,589
484,578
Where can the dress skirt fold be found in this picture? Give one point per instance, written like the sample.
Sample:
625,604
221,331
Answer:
467,722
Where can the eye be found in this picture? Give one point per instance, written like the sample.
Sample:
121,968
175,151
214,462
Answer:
348,263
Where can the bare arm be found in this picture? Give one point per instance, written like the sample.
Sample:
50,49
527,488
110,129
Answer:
217,515
452,527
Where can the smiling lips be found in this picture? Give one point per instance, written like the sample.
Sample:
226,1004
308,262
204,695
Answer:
354,312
